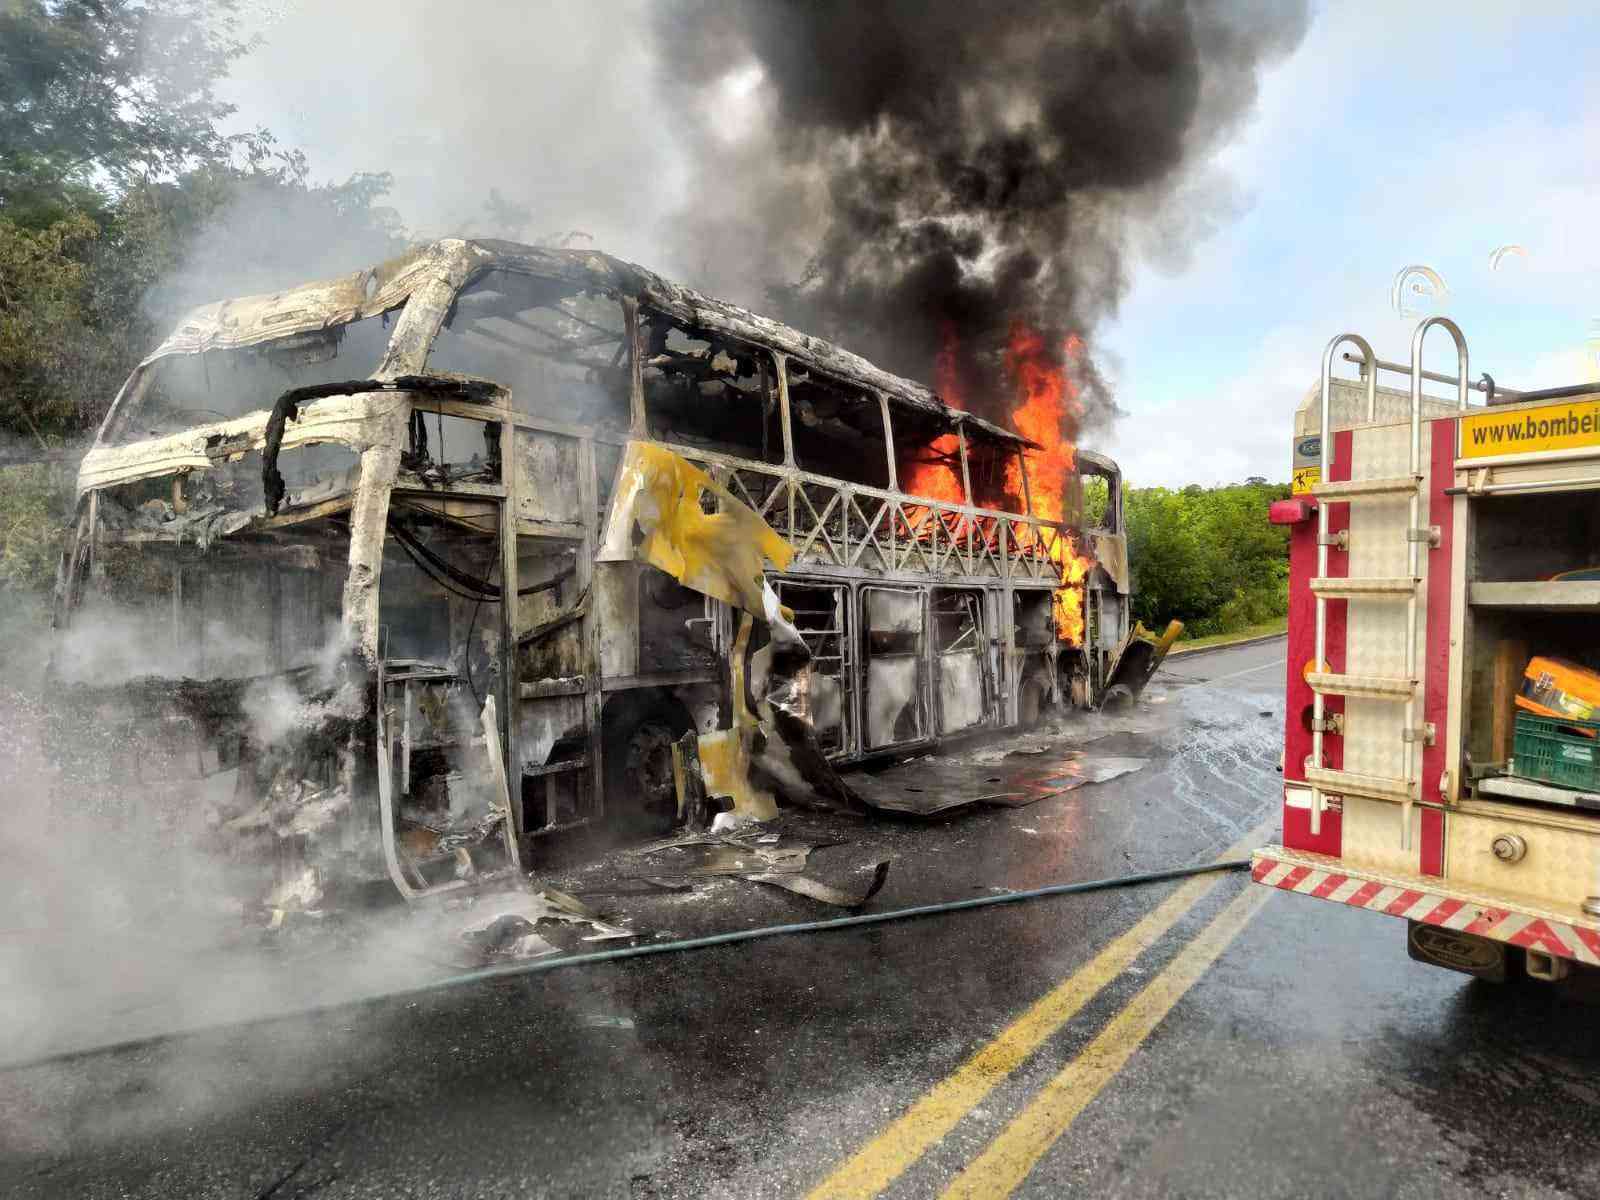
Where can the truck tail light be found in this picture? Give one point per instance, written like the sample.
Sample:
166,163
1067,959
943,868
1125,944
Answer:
1292,511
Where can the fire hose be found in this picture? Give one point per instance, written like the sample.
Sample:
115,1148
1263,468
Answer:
854,921
708,941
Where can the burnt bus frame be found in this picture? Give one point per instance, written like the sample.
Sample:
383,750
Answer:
432,277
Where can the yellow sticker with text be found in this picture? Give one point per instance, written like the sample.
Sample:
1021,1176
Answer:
1303,480
1531,430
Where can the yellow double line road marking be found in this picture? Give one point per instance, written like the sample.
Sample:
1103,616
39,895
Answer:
1002,1167
882,1160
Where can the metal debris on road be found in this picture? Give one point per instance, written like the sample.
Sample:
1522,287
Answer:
508,937
605,1021
710,854
802,885
514,930
1011,779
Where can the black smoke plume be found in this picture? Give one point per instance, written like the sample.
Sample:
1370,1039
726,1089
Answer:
945,168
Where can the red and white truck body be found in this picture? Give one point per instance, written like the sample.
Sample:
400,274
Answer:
1424,534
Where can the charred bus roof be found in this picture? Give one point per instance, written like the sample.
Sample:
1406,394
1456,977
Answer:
442,268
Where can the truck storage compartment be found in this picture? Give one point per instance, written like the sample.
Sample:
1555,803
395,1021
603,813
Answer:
1532,644
1531,537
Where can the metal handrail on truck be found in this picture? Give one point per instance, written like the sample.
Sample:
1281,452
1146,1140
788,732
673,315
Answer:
1325,682
1325,451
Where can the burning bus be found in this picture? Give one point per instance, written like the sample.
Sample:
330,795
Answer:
396,573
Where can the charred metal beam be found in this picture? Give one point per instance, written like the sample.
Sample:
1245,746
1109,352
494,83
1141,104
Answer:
286,408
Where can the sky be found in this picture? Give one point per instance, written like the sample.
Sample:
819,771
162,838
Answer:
1396,134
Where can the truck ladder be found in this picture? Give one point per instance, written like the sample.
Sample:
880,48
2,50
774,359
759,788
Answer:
1402,689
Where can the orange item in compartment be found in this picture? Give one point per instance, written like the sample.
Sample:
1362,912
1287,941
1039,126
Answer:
1555,687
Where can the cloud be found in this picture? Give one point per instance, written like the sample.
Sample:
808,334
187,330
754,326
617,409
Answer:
1365,156
1360,154
551,104
1226,434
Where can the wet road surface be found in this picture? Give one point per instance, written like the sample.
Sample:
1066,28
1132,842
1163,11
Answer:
1206,1038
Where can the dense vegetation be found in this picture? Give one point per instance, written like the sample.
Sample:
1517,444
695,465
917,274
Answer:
123,202
1207,556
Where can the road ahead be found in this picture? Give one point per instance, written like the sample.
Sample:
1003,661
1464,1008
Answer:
1209,1038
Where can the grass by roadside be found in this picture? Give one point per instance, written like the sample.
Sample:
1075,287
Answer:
1265,629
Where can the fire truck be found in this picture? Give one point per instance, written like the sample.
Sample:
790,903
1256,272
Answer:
1442,730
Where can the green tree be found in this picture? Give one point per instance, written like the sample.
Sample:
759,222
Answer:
1207,556
123,203
43,279
96,95
99,99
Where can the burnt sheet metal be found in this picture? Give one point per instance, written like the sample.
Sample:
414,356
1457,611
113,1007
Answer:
248,320
793,764
802,885
725,754
771,860
1110,552
1080,770
508,937
287,409
1136,661
698,855
720,554
658,516
518,924
641,885
689,782
933,783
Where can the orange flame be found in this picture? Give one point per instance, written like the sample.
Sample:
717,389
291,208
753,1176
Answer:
1049,408
933,478
937,480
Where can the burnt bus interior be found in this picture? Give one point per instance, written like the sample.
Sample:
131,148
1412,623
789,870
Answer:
508,661
180,391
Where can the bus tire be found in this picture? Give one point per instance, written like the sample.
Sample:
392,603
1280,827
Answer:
637,732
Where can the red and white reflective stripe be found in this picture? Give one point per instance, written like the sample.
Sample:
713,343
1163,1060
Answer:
1431,908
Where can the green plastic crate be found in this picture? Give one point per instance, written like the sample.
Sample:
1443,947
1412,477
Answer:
1560,750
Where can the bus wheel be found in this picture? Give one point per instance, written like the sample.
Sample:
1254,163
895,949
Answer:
638,737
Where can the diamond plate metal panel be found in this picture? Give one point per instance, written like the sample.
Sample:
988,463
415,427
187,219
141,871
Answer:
1376,627
1375,643
1372,836
1561,866
1347,406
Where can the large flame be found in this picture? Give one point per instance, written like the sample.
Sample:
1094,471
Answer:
934,477
937,475
1049,405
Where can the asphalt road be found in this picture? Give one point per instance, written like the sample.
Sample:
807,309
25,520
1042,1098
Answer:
1210,1038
